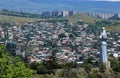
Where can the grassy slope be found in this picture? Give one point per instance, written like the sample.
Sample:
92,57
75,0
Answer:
20,20
81,16
16,20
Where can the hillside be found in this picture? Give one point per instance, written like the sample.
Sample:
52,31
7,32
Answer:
83,17
20,20
16,20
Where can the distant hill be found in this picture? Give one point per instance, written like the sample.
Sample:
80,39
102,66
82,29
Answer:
19,14
83,17
16,20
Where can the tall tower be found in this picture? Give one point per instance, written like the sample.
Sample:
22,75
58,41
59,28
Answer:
103,52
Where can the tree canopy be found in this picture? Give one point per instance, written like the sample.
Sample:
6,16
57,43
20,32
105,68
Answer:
12,67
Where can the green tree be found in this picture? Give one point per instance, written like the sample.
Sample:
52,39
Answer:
68,73
34,65
41,69
95,74
102,68
87,66
12,67
115,65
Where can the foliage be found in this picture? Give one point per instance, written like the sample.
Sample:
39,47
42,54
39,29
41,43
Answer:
12,67
19,14
96,27
102,68
80,22
45,67
34,65
87,68
94,74
41,69
68,73
70,65
115,65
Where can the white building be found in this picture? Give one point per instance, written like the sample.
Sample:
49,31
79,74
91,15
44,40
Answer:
65,13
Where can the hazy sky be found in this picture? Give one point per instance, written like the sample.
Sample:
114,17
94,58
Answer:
107,0
55,5
98,0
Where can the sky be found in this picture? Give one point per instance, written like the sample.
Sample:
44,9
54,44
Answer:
103,0
38,6
108,0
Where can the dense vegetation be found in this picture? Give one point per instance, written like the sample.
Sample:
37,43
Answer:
72,70
19,14
96,27
12,67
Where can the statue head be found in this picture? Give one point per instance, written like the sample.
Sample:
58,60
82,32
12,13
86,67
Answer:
103,28
103,34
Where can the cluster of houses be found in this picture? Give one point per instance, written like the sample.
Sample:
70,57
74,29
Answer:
67,42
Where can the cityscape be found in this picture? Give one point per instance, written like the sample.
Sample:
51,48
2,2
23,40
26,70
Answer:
60,43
